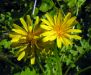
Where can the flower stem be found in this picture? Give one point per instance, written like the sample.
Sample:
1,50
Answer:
41,68
58,61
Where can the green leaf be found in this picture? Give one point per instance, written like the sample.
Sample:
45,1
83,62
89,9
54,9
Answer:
17,73
46,5
85,44
48,71
28,72
5,43
74,53
36,11
80,49
71,3
80,3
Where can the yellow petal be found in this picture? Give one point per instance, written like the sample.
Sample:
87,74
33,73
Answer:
30,28
36,21
59,42
60,17
49,19
13,35
67,41
18,27
22,48
46,27
55,19
67,35
73,36
74,30
32,60
19,31
22,54
76,37
23,37
36,37
48,33
71,21
46,22
47,38
67,17
29,21
53,37
24,24
15,38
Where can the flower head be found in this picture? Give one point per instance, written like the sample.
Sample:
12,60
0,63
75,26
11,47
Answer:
25,38
60,28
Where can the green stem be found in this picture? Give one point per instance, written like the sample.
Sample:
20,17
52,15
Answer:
36,53
77,9
67,70
61,8
58,61
82,70
27,12
60,69
41,68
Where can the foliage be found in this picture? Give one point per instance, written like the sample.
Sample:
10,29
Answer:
5,21
27,71
46,5
4,43
47,57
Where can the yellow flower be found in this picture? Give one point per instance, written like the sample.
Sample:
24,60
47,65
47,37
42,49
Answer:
60,28
25,38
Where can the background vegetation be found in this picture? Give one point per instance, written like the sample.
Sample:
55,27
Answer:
76,59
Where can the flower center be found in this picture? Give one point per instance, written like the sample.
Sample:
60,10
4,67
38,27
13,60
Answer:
58,30
30,37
